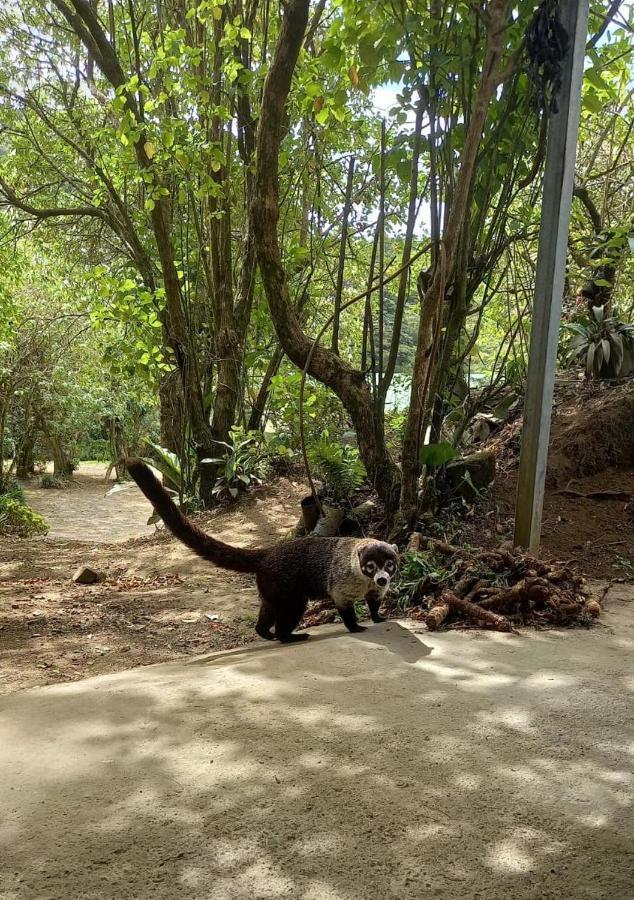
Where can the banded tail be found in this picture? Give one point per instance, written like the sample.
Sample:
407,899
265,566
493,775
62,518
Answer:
237,559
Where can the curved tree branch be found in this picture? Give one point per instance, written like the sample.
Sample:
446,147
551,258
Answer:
52,212
581,193
348,383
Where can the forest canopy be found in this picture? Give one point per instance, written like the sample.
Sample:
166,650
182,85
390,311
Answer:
192,192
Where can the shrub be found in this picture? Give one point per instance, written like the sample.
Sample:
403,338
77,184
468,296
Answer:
601,343
51,481
339,466
19,519
11,490
243,464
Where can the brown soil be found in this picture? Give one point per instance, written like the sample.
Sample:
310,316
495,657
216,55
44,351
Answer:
591,449
596,535
593,429
157,602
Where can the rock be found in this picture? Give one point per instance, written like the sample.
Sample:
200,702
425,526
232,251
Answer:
471,474
86,575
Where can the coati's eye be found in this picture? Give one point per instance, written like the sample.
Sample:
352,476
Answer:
370,566
389,565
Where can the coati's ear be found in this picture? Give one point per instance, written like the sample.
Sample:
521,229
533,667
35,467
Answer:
394,548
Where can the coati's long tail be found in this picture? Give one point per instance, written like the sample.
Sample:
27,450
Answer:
235,558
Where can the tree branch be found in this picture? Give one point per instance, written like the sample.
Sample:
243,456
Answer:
581,193
612,11
13,200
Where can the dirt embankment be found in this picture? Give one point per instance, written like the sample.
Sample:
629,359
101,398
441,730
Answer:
588,517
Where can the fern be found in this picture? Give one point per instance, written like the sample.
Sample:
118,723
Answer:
340,468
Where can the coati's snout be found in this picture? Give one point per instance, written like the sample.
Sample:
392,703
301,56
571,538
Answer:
379,561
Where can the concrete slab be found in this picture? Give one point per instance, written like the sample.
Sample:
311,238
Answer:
381,765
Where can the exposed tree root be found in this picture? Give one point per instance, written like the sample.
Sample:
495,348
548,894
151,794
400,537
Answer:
498,589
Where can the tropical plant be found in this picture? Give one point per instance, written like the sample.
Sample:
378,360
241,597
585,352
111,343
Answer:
339,466
16,516
243,465
602,343
51,481
168,464
419,572
436,455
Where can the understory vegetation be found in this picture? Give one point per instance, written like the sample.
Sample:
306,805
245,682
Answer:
204,203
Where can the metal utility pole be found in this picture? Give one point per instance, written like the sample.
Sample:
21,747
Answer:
559,173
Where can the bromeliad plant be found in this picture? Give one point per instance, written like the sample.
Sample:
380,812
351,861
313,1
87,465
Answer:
243,464
602,343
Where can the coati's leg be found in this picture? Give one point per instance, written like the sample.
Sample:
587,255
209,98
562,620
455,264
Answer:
373,599
287,619
266,620
349,617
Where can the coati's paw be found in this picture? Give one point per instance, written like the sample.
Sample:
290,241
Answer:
357,628
377,618
264,634
293,638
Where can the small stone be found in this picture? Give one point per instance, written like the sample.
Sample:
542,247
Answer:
86,575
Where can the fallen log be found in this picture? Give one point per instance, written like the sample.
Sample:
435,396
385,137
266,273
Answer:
475,612
496,588
437,615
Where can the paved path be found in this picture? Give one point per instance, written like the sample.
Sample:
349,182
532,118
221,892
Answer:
382,765
82,511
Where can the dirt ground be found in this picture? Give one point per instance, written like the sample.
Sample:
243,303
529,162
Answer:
596,535
157,601
380,766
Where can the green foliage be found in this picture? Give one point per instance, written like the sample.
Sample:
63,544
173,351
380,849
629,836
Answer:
323,413
243,464
167,463
434,455
600,342
94,449
51,481
420,571
17,518
339,466
11,490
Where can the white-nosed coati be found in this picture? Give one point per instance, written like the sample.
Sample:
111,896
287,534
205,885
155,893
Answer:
291,573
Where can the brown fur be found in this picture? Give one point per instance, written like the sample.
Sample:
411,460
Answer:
289,574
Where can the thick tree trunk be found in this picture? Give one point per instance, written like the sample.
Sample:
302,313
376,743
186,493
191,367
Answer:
434,299
62,464
348,384
25,464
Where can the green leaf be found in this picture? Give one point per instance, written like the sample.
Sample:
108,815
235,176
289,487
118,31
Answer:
323,115
592,102
437,454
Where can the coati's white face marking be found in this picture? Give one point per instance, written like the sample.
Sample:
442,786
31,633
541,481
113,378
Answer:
378,561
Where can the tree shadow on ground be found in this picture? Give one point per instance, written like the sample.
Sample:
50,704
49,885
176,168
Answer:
351,767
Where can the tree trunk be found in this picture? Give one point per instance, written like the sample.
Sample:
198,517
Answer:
62,464
433,301
172,423
259,405
347,383
25,464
